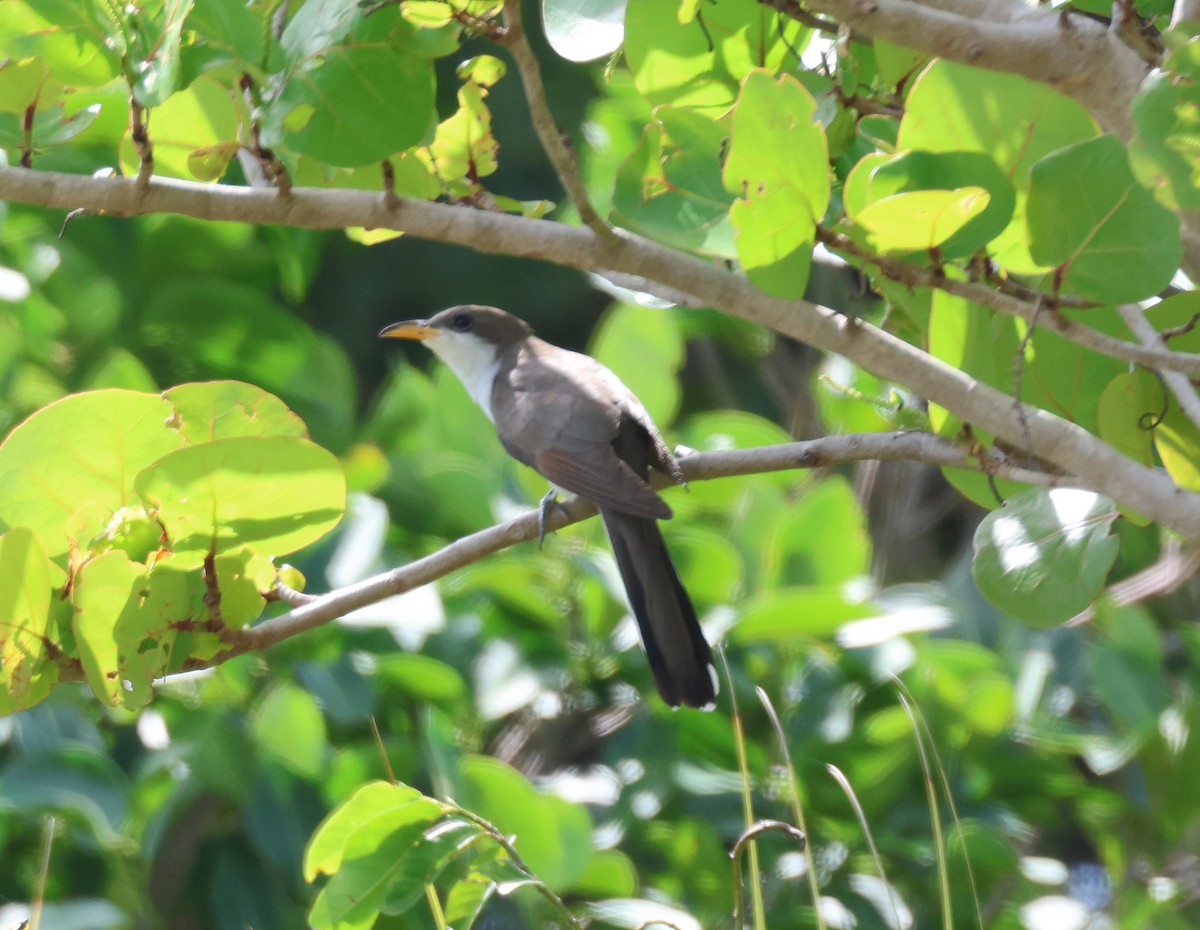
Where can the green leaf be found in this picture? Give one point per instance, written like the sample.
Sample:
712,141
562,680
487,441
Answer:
366,806
210,410
1045,555
822,539
1130,685
1014,121
670,189
202,115
157,73
940,171
374,862
424,678
81,451
122,623
209,162
786,615
27,582
77,781
53,126
921,219
353,96
241,579
778,164
700,63
552,836
463,146
645,349
1165,153
289,728
1089,215
1129,405
466,899
584,30
72,38
274,493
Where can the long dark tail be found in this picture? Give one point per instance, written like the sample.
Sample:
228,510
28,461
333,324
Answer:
679,655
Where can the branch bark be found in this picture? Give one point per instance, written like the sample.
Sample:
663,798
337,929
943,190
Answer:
1149,354
1041,434
1063,52
697,466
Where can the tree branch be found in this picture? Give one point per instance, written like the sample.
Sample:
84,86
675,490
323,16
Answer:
1058,50
556,146
1185,10
1150,355
696,466
1177,564
1040,433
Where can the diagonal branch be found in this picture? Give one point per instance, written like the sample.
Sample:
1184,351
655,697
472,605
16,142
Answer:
1038,432
1148,354
696,466
554,143
1052,48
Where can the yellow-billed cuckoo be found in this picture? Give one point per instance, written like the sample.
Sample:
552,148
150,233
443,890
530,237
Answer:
571,419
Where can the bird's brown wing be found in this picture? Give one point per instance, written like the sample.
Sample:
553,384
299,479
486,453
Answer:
565,428
602,478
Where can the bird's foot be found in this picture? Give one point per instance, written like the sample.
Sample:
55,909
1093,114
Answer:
549,500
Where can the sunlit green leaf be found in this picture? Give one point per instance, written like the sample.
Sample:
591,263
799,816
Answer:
81,451
778,164
921,219
27,580
123,623
274,493
210,410
700,63
552,836
354,95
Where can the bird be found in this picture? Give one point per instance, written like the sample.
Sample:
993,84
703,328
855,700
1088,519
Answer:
573,421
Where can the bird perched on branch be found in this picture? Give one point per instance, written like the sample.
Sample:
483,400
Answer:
572,420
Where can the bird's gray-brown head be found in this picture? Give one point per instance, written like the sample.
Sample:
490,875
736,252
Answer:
469,339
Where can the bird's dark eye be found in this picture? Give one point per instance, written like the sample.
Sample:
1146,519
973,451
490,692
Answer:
461,322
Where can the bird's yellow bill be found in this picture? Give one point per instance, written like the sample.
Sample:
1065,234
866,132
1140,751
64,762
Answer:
410,329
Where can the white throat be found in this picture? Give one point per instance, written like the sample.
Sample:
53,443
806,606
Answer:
473,360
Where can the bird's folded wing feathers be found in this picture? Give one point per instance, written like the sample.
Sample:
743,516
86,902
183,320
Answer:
601,477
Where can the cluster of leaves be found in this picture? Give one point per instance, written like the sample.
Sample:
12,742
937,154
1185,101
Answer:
713,138
306,99
139,526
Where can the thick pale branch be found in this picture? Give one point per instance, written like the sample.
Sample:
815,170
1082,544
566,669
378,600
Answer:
696,466
1073,54
1041,434
1149,354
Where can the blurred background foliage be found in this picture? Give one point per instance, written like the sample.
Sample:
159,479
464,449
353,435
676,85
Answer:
1066,751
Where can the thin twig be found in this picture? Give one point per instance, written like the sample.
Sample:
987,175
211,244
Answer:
1177,564
1176,382
140,134
556,145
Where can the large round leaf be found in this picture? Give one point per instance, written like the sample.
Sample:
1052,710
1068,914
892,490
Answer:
274,493
81,451
1044,557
